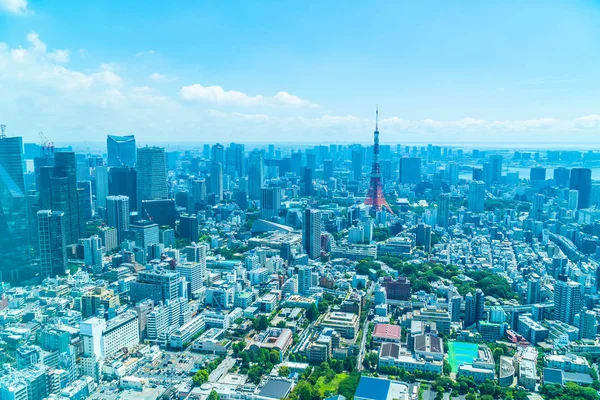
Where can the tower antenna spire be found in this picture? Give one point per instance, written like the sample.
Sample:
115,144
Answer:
377,117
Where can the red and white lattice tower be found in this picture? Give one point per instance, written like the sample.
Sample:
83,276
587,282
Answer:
375,197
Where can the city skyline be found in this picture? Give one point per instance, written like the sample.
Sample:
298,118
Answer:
277,73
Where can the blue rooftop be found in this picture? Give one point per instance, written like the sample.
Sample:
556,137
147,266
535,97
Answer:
372,388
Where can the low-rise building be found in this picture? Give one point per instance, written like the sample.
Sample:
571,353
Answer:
345,324
211,341
386,333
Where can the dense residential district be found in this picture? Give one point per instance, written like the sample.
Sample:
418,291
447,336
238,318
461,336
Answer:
300,272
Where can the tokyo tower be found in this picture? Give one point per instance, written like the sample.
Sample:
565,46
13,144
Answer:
375,196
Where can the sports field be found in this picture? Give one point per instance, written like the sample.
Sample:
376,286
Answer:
461,353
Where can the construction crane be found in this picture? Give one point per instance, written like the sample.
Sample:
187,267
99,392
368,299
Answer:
47,146
2,131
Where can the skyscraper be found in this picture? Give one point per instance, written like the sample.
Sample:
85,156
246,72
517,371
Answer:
496,161
218,153
188,227
581,180
357,162
122,181
59,192
234,156
537,174
117,213
537,207
53,244
14,236
443,212
568,299
328,169
101,175
216,180
151,174
121,151
474,308
476,199
311,233
255,174
270,203
409,170
562,176
304,279
307,181
92,251
423,236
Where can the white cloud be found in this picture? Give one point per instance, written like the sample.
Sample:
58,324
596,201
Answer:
145,53
60,56
286,99
157,77
13,6
216,94
38,45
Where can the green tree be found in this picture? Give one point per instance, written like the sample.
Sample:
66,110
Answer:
312,313
303,390
255,373
200,377
261,323
284,371
213,395
275,357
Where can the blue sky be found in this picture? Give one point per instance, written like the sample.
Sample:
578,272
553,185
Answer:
492,71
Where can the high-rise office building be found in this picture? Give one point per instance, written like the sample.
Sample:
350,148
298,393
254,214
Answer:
101,180
92,251
534,290
454,308
255,174
562,176
270,203
573,200
307,182
188,227
474,308
194,273
581,180
117,213
84,191
357,162
218,153
423,236
327,169
443,211
568,299
476,198
304,279
122,181
121,151
216,180
14,221
537,174
311,233
52,242
146,233
234,156
537,207
151,174
409,170
59,192
496,161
